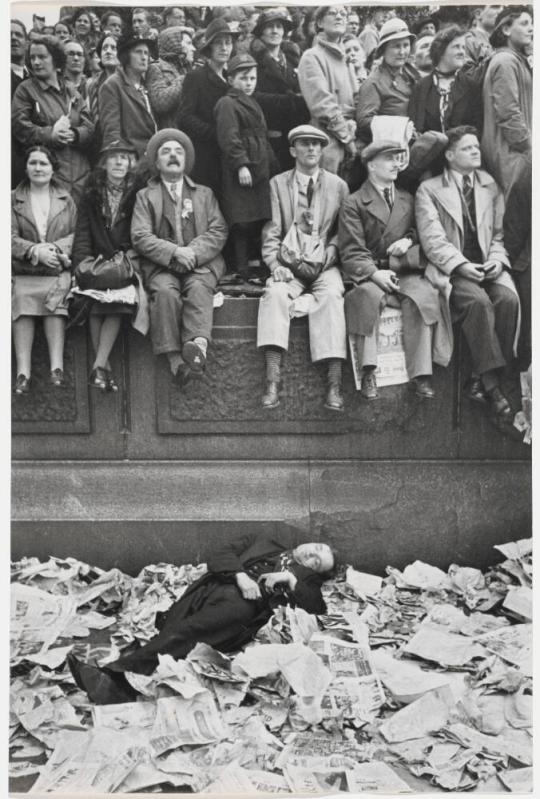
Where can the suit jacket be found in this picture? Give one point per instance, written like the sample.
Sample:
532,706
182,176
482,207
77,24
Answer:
439,218
123,113
24,234
367,227
208,226
333,190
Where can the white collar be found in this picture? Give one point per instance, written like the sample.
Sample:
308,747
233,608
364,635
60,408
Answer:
303,179
458,177
381,189
178,184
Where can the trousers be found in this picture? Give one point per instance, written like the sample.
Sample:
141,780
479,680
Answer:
181,308
488,313
326,317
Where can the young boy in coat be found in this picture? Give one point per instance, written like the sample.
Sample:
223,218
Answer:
247,159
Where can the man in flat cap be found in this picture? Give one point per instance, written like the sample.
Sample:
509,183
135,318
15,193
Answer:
379,253
179,232
299,246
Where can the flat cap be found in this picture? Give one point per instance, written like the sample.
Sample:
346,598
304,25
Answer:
308,132
376,148
242,61
171,134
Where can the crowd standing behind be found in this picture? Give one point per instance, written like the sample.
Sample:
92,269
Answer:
344,158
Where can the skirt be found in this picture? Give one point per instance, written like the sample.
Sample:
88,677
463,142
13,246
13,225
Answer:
34,295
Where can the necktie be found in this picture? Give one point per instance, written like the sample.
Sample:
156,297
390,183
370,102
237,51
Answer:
174,195
468,196
309,192
388,198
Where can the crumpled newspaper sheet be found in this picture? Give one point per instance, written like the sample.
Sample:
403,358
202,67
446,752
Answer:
422,672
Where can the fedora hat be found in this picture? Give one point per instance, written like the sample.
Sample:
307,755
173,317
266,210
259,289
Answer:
171,134
217,27
273,15
391,30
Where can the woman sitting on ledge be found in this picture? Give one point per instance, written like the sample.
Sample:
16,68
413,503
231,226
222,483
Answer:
224,608
42,224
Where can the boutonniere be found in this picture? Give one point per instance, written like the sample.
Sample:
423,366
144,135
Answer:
307,217
187,208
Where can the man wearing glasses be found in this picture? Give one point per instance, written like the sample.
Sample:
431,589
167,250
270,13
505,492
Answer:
327,86
74,69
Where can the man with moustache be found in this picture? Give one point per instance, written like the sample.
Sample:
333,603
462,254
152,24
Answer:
459,215
179,232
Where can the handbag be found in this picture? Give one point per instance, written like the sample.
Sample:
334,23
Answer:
105,273
303,253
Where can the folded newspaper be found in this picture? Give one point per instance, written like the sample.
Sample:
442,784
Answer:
422,675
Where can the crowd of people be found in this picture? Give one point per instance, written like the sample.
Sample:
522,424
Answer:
343,158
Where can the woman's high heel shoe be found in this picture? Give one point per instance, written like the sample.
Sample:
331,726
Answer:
98,378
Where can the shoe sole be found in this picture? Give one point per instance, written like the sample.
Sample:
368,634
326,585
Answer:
194,356
369,399
334,408
477,399
424,396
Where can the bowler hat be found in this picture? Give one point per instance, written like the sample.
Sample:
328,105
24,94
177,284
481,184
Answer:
242,61
273,15
376,148
307,132
117,146
171,134
391,30
218,27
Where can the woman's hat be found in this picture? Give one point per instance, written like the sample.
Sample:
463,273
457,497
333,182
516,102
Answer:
171,134
127,43
117,146
391,30
217,27
170,40
273,15
242,61
307,132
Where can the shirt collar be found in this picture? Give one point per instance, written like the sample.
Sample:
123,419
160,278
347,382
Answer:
177,183
303,179
458,177
381,189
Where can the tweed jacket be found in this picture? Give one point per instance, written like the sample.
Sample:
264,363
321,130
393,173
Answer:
24,234
333,191
439,219
208,226
384,93
123,113
164,81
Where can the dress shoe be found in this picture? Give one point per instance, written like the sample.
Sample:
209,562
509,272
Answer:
57,378
22,384
334,397
112,385
182,376
102,686
369,385
475,390
98,378
271,397
500,404
194,356
422,387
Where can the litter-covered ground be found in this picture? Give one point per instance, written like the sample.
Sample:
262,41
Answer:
419,681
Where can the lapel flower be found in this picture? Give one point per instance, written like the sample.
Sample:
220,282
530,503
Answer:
187,208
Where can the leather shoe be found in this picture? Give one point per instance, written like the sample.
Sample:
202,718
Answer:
271,397
98,378
22,384
334,397
369,385
102,686
475,390
422,387
194,356
57,378
182,376
500,404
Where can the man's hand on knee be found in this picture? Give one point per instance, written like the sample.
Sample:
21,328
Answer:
470,271
185,257
282,274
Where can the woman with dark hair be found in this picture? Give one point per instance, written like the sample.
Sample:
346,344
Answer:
42,223
225,608
107,51
83,30
103,229
201,91
124,107
47,110
447,97
62,29
309,29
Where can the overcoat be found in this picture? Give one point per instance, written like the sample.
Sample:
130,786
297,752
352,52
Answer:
94,237
367,227
31,287
203,613
35,109
334,190
464,106
209,228
201,90
508,114
164,81
243,140
439,219
384,93
123,113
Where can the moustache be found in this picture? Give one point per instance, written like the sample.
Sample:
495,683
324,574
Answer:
173,161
